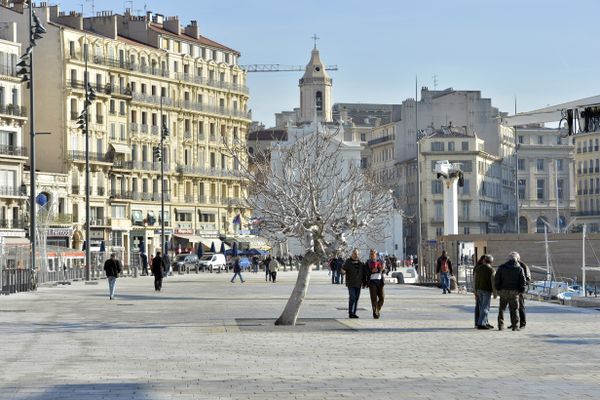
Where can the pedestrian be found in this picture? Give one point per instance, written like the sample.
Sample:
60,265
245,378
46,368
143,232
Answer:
331,272
476,313
255,264
266,262
375,270
237,269
273,268
113,268
510,282
337,263
166,260
522,316
355,273
484,289
158,269
444,268
144,259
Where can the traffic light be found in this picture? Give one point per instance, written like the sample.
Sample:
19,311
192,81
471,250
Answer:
164,131
81,121
24,67
91,94
157,154
36,30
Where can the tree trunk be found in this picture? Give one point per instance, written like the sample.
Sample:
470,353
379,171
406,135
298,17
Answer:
292,308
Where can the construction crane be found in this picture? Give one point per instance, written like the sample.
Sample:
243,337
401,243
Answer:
279,68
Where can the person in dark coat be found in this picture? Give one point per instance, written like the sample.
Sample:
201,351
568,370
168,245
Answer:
444,268
157,268
356,278
144,259
237,269
113,268
510,282
484,288
522,316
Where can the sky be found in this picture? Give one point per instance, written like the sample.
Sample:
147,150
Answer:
539,52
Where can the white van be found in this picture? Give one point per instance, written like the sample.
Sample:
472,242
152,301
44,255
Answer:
213,262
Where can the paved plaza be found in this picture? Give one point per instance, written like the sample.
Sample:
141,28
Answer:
206,338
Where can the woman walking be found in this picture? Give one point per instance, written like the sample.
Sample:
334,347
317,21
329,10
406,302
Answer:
375,270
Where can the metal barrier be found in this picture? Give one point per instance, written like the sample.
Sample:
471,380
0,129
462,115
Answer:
15,280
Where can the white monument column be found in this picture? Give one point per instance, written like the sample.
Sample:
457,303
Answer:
450,206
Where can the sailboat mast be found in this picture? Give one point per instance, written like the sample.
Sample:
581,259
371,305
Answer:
583,259
547,251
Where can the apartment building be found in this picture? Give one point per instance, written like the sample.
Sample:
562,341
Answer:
13,115
147,71
545,179
587,178
479,199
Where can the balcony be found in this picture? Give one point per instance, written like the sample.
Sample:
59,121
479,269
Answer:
188,198
7,150
11,109
201,198
144,128
75,189
10,191
99,119
99,221
62,219
383,139
187,135
77,155
154,130
200,137
585,213
100,191
133,127
12,224
121,195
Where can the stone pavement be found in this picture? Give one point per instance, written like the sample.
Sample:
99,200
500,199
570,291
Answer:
205,338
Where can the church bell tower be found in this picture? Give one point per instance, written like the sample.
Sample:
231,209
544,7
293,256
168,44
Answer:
315,90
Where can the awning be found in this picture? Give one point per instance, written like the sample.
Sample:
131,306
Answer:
189,238
550,113
120,148
208,241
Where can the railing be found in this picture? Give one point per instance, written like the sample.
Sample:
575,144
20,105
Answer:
585,213
16,280
188,198
200,136
381,140
12,223
120,195
78,155
100,191
154,129
9,150
62,219
8,70
201,198
144,128
10,191
11,109
187,135
99,222
133,127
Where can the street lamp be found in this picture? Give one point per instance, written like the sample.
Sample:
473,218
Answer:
25,65
164,133
83,124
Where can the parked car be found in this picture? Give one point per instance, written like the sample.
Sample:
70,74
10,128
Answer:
186,262
213,262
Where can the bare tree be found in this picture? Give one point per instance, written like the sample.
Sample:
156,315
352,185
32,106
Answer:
309,192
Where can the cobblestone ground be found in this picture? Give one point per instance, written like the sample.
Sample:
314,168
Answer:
206,338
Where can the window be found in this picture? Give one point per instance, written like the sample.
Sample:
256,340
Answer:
450,146
521,164
437,146
522,183
213,162
118,212
539,163
117,239
466,206
436,187
439,210
465,190
467,230
540,189
223,161
72,48
540,139
559,165
464,146
520,139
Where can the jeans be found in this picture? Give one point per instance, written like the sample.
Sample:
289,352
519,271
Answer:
522,316
354,294
273,276
112,281
237,274
510,298
484,299
445,281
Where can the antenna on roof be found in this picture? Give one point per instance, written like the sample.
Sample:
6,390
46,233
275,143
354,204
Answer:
93,7
435,82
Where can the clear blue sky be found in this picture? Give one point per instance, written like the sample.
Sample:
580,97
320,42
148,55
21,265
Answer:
541,51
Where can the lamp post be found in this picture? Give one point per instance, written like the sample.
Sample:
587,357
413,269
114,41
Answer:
25,65
164,132
83,124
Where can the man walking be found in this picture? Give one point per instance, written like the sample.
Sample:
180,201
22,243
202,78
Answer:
354,270
375,269
484,288
113,268
144,259
157,270
273,268
336,269
444,268
237,269
266,264
510,282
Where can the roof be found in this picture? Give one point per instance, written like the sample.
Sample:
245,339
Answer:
134,42
268,135
449,133
200,40
550,113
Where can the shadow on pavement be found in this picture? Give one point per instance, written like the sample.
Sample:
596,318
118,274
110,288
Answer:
73,327
92,391
533,309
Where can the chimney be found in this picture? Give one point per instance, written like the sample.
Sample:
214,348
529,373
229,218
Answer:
193,30
172,25
148,15
159,19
